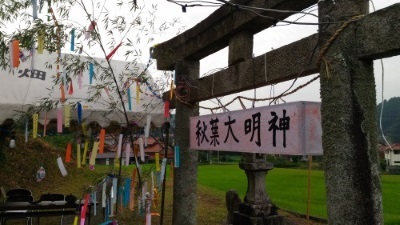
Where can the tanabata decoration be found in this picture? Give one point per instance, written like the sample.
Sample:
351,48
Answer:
15,49
61,167
92,160
85,150
177,151
68,152
91,73
84,209
128,90
119,148
78,155
127,153
26,131
148,124
163,164
35,124
72,40
166,109
67,115
103,194
137,92
76,219
113,52
59,120
34,9
141,146
40,42
71,89
40,174
102,137
90,29
94,196
127,192
79,113
45,124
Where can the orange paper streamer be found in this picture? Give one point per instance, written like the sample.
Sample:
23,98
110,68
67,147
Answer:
101,140
15,53
68,152
62,93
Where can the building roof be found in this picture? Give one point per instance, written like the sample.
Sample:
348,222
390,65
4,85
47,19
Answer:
395,146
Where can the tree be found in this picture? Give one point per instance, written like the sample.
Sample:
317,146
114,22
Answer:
96,28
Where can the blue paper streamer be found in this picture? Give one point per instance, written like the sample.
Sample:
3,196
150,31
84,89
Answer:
91,72
127,192
35,9
177,156
73,40
129,99
79,113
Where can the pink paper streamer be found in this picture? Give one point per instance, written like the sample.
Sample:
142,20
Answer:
59,120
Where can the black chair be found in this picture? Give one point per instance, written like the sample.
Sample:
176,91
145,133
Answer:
18,195
53,199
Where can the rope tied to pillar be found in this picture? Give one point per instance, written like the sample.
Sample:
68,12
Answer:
333,37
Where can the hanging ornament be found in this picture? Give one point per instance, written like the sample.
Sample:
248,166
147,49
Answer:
40,42
35,123
91,72
79,109
129,99
113,52
71,89
92,161
61,167
59,120
157,158
72,40
137,93
40,174
177,151
166,109
90,29
67,115
141,146
68,152
12,142
101,140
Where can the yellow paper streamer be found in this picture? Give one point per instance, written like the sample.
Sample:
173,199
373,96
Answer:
85,152
40,43
137,93
171,90
157,156
78,156
35,118
76,220
67,115
92,160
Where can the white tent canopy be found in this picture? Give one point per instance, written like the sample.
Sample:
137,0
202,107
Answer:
21,88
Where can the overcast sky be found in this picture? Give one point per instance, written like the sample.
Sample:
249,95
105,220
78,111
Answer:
275,38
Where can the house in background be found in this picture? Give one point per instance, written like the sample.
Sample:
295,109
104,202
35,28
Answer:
391,154
153,146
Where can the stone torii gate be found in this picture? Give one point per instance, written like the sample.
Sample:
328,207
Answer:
349,39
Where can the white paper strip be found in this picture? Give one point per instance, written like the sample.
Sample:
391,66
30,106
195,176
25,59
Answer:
103,194
163,164
141,149
62,167
119,145
127,153
148,123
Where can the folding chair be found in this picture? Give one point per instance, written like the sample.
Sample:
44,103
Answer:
19,196
53,199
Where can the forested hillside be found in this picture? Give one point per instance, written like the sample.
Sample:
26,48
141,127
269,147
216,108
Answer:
390,119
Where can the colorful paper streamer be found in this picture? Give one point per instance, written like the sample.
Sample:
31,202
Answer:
78,156
84,209
148,125
61,167
177,159
127,153
113,51
85,150
128,90
166,109
67,115
92,160
68,152
72,40
59,120
141,147
15,49
102,137
79,113
35,124
91,72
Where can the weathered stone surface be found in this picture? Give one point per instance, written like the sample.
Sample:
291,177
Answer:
232,200
185,176
378,34
213,33
348,113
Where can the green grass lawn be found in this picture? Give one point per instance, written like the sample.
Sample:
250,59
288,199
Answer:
288,188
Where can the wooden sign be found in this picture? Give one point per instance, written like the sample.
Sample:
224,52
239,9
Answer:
288,129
